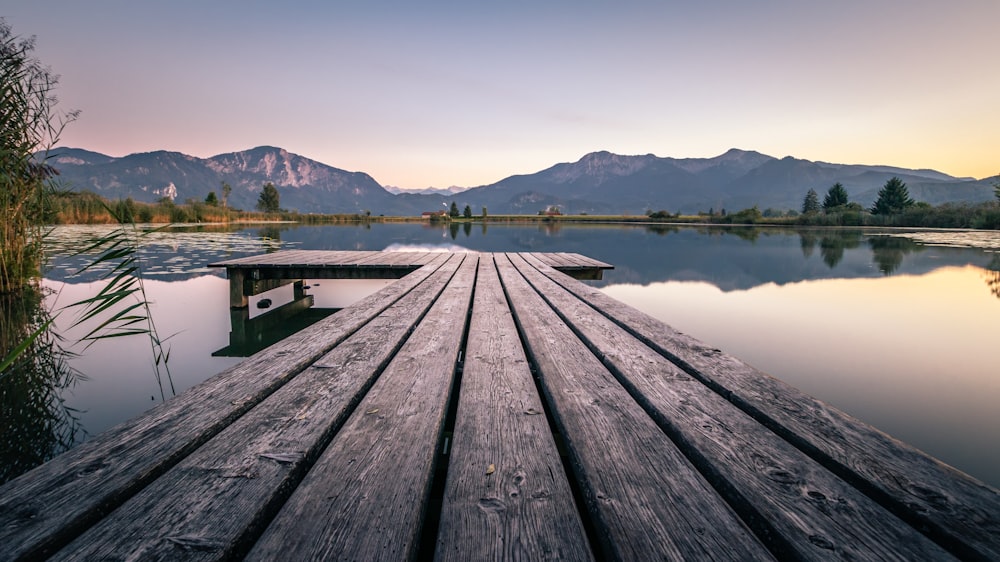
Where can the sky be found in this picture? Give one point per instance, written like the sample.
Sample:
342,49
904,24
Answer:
441,93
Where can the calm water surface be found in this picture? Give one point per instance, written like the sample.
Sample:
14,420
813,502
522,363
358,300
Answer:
898,330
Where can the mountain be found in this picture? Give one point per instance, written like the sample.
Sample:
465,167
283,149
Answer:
304,184
606,183
598,183
425,191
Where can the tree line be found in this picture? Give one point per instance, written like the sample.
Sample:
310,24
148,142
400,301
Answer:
895,207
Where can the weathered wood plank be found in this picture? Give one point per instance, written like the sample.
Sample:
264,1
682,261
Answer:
221,495
647,501
804,511
360,258
48,506
580,260
285,257
320,258
550,258
424,257
364,498
957,511
393,259
506,497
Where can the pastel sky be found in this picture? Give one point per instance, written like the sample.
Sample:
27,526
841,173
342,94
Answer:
439,93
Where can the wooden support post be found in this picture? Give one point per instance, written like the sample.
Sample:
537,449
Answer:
237,297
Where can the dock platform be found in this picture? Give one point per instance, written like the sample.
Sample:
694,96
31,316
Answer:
490,407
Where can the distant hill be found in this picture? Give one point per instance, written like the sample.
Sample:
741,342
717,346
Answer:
606,183
304,184
426,191
598,183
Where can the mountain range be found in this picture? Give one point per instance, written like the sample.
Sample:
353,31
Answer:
598,183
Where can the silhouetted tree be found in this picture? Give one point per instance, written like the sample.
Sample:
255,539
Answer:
226,190
811,203
269,201
211,200
835,197
453,213
893,198
467,212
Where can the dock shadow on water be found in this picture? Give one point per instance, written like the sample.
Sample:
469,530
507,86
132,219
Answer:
37,424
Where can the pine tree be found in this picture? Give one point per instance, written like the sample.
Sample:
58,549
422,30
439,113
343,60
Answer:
811,203
893,198
453,213
467,213
269,201
835,197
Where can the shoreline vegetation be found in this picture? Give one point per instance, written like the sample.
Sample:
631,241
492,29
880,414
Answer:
89,208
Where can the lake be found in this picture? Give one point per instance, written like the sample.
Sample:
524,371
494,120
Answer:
899,329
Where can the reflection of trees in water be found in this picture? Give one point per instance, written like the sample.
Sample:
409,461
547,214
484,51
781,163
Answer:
37,425
662,229
271,235
453,229
993,275
888,252
748,233
467,228
808,241
833,245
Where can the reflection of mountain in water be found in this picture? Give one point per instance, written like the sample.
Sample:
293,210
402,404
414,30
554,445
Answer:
730,258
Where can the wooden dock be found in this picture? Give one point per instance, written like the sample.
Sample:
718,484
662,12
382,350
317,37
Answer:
490,407
254,275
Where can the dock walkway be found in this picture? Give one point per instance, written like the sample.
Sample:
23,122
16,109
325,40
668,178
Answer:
490,407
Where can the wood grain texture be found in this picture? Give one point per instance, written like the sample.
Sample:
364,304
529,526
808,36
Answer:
646,500
799,507
225,491
48,506
506,497
957,511
364,498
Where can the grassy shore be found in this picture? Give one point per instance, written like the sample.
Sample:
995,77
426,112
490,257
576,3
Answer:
87,208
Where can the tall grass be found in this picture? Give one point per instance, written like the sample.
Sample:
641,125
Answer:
121,307
29,124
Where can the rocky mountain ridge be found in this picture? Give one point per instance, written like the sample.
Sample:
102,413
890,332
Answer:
599,183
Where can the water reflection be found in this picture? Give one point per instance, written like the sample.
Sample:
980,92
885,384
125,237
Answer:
662,229
271,236
992,275
833,244
37,423
888,252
